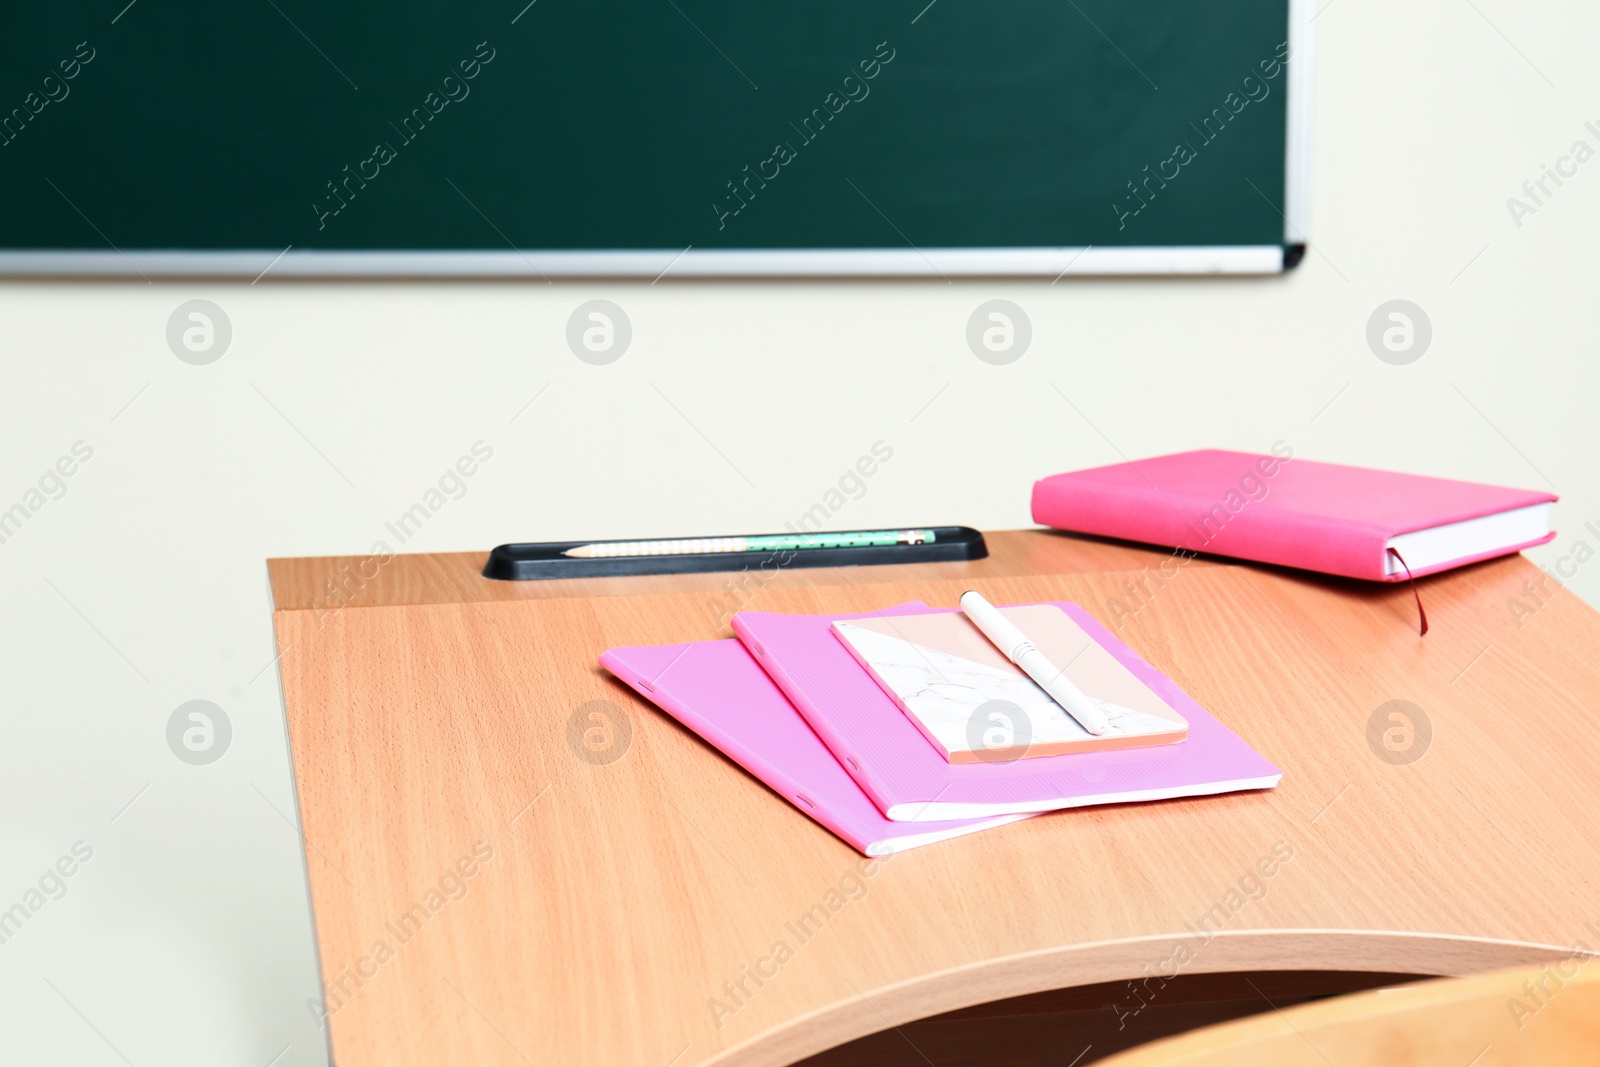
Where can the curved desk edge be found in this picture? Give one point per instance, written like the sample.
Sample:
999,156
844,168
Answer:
1110,961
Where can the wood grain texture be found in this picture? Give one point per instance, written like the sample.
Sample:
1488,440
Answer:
623,900
1544,1017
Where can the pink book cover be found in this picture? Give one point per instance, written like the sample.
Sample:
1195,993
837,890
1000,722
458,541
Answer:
717,690
1274,509
910,780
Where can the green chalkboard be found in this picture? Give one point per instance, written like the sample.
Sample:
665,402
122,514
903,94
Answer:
642,124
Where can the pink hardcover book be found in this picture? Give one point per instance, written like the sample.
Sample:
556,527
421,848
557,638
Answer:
910,780
1297,513
717,690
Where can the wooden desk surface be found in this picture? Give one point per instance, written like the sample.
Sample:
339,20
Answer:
430,714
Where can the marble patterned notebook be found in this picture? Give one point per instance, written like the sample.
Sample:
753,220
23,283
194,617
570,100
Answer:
975,706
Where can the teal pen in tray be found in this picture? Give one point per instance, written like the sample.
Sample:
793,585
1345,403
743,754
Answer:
767,543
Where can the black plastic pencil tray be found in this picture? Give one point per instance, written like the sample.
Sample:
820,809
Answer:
529,562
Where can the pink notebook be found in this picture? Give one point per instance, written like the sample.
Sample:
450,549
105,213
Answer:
717,690
908,778
1296,512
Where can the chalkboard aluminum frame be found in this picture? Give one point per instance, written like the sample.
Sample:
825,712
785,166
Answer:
657,264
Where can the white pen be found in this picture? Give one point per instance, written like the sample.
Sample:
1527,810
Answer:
1019,650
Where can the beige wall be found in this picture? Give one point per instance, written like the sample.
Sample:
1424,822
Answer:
737,407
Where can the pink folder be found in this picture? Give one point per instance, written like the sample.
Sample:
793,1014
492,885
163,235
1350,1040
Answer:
717,690
909,780
1289,511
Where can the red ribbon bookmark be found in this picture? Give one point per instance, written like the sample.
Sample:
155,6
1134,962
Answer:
1420,613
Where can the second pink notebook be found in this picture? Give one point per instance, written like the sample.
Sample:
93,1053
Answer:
910,780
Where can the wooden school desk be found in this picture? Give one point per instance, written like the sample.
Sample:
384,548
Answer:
491,885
